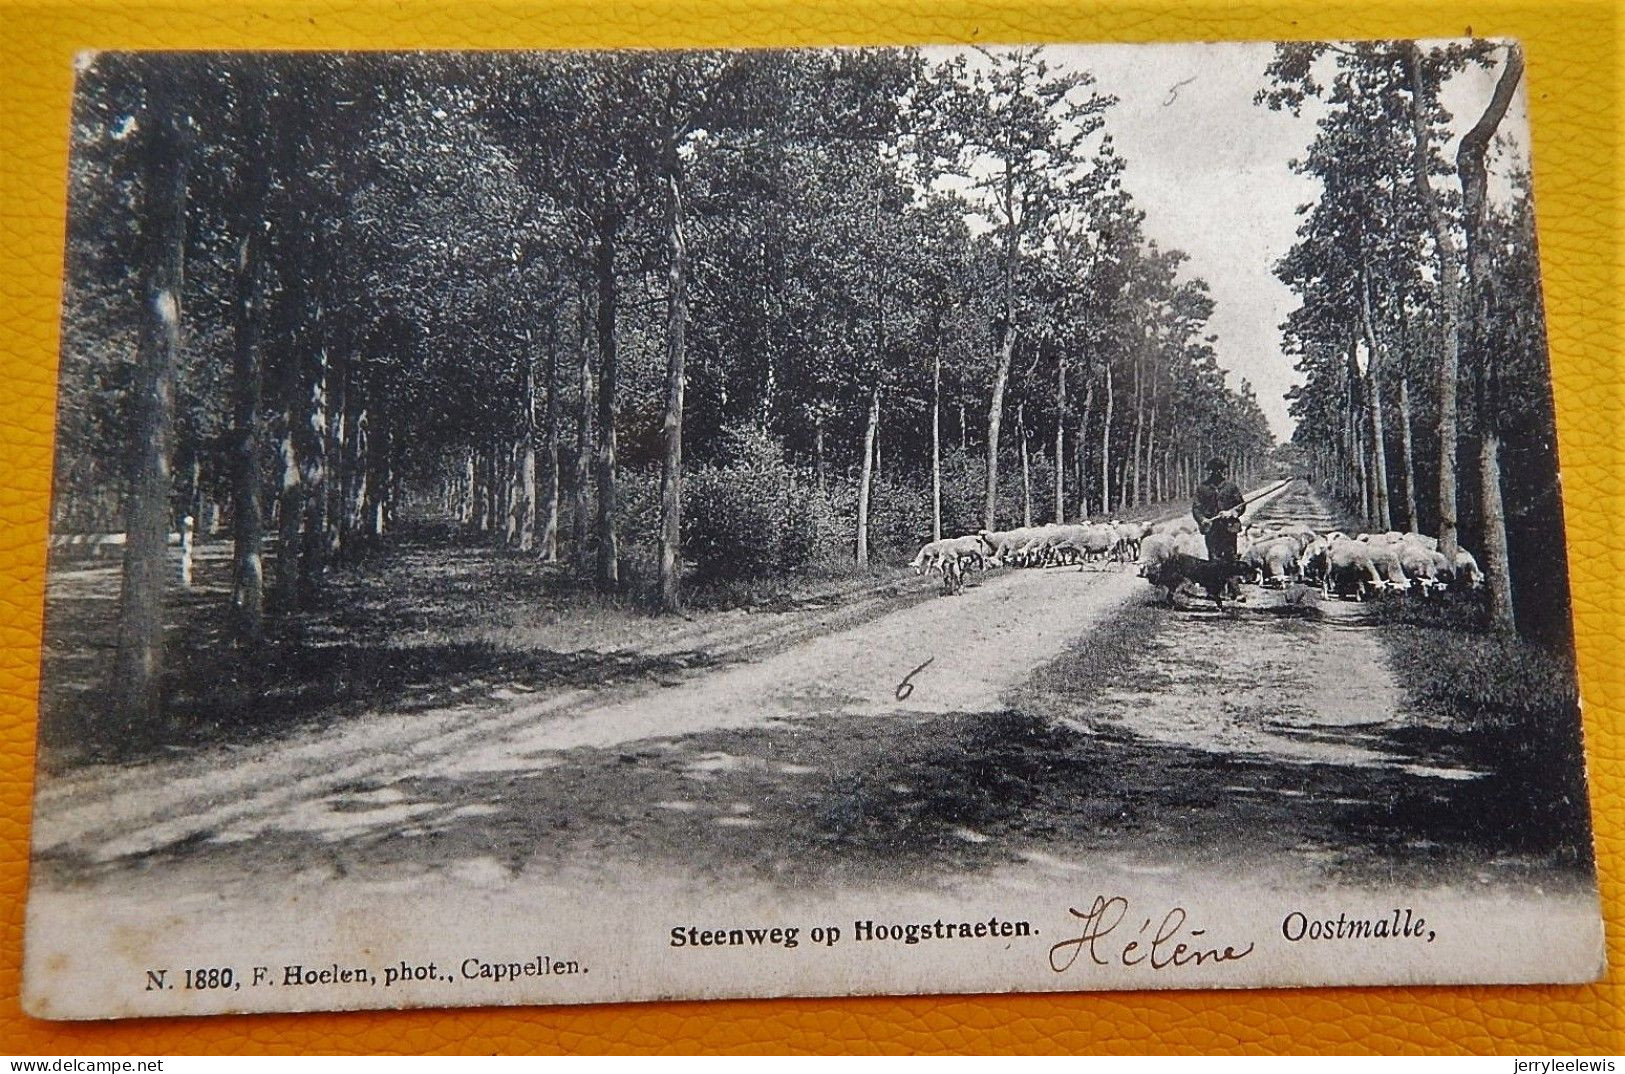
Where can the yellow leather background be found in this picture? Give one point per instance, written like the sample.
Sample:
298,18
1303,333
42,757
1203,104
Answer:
1573,54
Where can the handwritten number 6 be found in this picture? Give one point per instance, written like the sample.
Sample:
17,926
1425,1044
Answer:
906,688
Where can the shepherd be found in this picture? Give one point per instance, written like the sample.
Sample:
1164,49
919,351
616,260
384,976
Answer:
1217,509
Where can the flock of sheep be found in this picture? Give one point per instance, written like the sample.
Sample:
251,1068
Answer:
1359,565
1050,545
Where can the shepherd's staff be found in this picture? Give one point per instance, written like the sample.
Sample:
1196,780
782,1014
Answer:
1248,500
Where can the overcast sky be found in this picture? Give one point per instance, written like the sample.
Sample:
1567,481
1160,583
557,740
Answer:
1210,171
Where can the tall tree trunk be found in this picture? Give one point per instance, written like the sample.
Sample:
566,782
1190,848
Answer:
503,451
476,491
995,413
819,470
358,494
1083,453
1106,449
390,479
1026,468
378,449
1151,434
310,436
139,661
355,489
1368,507
1060,442
338,451
1497,563
1131,491
526,501
609,570
501,486
1150,448
290,511
484,481
1357,434
936,443
581,508
468,510
1007,350
491,512
1347,487
1401,351
514,502
769,342
549,520
290,484
390,494
1407,452
867,477
1470,167
1343,457
248,382
1449,299
671,472
290,491
1379,454
880,355
1373,379
448,492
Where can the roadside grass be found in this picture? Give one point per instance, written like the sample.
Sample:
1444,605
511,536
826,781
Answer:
436,619
1110,654
1451,666
1499,704
813,584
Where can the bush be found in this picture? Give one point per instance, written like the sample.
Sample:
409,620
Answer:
818,534
753,516
964,491
899,520
637,515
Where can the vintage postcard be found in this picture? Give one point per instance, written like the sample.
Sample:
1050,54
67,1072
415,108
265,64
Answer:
544,528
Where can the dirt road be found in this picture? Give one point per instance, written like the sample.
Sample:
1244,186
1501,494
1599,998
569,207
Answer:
949,729
973,648
962,654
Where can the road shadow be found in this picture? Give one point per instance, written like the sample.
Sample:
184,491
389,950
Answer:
839,801
420,629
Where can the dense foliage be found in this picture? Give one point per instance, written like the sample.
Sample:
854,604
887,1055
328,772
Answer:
450,284
1421,339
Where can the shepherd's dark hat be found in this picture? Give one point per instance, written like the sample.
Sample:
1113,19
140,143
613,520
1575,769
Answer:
1217,466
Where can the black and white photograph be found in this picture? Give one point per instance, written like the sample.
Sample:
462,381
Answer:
572,527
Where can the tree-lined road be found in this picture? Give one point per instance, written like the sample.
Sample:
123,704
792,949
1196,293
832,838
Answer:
971,657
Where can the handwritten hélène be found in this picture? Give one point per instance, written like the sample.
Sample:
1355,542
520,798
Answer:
1161,948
